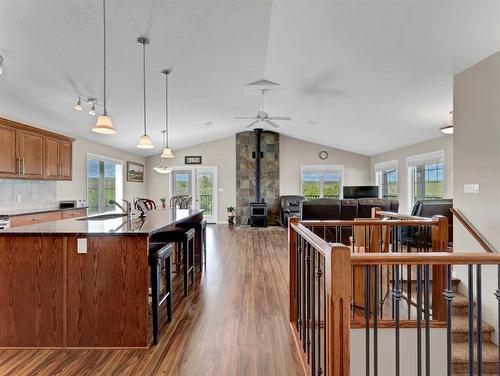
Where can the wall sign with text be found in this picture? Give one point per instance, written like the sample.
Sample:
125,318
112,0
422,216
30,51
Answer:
192,159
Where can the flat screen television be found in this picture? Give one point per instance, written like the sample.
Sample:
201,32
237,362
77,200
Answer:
361,191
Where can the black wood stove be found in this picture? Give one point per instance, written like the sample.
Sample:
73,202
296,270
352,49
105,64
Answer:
258,209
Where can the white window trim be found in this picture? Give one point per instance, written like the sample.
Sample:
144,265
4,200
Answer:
412,161
323,168
384,166
106,159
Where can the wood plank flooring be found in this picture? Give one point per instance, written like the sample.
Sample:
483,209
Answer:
234,321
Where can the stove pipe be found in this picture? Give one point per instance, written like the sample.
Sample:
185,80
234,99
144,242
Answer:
258,132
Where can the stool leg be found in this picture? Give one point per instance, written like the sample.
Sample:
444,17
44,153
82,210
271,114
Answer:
168,278
193,261
185,254
204,235
155,303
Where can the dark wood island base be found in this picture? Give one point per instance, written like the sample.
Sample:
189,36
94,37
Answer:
55,297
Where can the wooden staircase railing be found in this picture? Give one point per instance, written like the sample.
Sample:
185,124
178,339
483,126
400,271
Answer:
369,283
473,231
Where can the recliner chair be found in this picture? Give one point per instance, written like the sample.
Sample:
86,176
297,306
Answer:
289,206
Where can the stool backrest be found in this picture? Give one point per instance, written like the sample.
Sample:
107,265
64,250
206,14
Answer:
150,204
181,201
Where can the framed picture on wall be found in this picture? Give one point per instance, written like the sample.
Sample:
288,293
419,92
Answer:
135,172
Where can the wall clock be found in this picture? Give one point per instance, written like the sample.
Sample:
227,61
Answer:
323,154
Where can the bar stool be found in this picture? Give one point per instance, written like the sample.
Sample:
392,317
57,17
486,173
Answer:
202,228
159,252
185,239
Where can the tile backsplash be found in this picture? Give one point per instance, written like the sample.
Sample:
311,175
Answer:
27,194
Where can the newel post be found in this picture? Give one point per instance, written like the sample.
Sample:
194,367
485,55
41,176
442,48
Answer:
338,292
375,212
292,250
439,244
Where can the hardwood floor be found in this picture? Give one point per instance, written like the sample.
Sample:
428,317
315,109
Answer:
234,321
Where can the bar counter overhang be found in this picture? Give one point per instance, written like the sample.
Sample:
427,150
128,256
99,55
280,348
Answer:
52,296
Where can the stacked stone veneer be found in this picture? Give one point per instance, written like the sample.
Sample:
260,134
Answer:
245,175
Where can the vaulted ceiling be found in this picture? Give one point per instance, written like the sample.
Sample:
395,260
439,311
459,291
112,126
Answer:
364,76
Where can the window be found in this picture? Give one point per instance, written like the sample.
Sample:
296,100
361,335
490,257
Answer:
104,183
387,179
426,173
321,181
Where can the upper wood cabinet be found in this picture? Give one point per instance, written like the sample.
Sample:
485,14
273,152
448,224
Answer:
31,153
9,162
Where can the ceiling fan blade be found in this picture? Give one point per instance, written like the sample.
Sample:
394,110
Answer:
279,118
252,124
245,117
272,124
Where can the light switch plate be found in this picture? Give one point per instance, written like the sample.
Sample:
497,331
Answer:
81,245
471,188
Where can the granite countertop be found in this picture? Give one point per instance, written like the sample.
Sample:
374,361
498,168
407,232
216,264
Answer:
18,212
156,220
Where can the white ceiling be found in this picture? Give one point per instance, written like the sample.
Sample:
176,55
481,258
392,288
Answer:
364,76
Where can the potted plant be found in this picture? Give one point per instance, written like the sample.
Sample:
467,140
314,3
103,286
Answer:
163,202
230,215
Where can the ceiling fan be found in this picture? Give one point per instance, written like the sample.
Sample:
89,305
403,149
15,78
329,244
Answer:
263,116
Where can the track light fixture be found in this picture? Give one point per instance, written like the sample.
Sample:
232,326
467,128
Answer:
91,101
78,105
1,64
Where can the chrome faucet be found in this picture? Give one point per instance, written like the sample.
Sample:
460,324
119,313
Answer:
127,211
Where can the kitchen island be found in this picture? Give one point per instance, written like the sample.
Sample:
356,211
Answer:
79,283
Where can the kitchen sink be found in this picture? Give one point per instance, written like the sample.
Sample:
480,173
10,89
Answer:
103,217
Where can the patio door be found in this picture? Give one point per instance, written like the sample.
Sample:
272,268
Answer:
201,184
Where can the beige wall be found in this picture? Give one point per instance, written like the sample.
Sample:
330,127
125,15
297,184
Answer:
77,188
444,143
477,161
295,152
220,153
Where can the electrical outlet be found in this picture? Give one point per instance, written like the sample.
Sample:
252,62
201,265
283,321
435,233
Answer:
81,245
471,188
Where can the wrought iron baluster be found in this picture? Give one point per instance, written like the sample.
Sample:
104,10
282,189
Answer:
479,314
367,319
470,312
313,311
427,315
448,295
375,320
297,279
397,297
319,273
308,301
419,320
497,297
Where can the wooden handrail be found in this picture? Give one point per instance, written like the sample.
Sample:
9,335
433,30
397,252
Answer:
473,231
430,258
370,222
399,216
313,239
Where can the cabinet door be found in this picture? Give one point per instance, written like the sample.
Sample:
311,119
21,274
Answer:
52,162
31,147
66,159
9,164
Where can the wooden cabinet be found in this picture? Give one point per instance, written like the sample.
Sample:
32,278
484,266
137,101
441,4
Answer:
31,153
9,163
35,218
52,164
65,158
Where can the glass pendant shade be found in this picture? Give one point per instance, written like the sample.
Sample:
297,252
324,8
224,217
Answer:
104,125
163,168
447,130
145,142
167,153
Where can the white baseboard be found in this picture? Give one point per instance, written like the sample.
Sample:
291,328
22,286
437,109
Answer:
221,223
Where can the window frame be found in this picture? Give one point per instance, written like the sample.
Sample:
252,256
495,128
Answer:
424,159
119,187
384,167
322,169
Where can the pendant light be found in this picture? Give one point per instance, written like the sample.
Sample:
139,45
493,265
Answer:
167,152
104,124
144,141
163,167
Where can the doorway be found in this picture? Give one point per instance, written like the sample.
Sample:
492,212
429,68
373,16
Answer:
199,183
